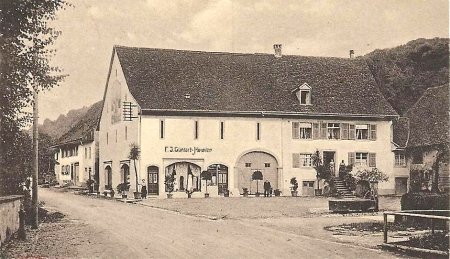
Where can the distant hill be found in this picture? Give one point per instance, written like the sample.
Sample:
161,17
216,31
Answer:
404,73
55,129
85,127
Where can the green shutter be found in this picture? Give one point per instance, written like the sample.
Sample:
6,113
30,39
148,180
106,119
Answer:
323,130
295,130
351,158
352,132
344,130
316,130
373,132
295,160
372,160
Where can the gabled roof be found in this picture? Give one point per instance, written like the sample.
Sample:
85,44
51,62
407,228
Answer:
159,79
400,131
429,118
84,129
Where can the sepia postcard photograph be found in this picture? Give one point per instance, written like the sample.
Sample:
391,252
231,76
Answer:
224,129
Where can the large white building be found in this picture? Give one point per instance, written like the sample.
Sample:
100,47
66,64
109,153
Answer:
234,114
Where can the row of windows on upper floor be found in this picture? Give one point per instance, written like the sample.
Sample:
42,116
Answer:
69,152
300,130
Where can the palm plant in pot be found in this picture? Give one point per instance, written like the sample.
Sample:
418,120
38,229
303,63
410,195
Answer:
294,187
134,155
206,175
257,176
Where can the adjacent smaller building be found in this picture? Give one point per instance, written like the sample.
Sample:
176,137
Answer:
76,152
421,142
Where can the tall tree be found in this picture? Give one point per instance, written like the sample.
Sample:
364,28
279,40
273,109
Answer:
25,38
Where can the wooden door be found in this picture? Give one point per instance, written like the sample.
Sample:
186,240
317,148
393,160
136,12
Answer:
153,180
401,185
308,188
222,181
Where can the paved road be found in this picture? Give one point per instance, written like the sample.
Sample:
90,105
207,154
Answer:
136,231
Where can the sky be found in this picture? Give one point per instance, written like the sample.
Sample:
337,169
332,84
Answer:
90,29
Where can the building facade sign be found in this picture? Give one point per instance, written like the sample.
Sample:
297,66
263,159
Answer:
192,150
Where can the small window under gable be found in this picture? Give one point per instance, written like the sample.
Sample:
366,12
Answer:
303,94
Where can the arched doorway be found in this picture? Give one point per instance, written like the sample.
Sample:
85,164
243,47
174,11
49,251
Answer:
252,162
108,177
125,173
153,180
187,176
219,177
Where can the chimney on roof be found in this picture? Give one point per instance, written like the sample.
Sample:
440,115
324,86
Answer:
277,48
352,53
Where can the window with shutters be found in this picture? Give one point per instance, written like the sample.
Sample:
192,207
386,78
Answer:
361,159
362,131
305,160
351,131
301,160
301,130
333,131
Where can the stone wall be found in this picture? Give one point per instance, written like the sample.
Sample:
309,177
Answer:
9,216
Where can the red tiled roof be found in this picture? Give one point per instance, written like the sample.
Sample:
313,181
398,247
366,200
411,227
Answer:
159,79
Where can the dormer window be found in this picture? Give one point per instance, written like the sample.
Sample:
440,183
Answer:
303,94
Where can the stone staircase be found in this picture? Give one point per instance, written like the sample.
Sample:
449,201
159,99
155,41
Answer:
343,189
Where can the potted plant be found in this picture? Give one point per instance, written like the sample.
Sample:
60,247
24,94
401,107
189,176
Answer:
105,193
322,171
134,155
294,187
257,175
111,193
123,188
226,193
277,192
169,182
245,192
206,175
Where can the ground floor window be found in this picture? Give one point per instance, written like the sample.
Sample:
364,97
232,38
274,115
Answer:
361,159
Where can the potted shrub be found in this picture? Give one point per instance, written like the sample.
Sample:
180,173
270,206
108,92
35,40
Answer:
257,176
123,188
294,187
111,193
169,182
322,171
277,192
206,175
245,192
226,193
105,193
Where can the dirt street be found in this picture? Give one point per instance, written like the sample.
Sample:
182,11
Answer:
119,230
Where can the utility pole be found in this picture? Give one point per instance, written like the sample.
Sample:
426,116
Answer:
34,200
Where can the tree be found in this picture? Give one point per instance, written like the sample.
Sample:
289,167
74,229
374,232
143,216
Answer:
442,156
134,155
322,171
24,67
257,175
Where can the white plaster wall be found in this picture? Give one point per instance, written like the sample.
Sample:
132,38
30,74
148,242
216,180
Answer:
239,138
381,146
116,150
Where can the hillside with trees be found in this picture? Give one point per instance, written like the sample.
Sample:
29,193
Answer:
56,128
404,73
